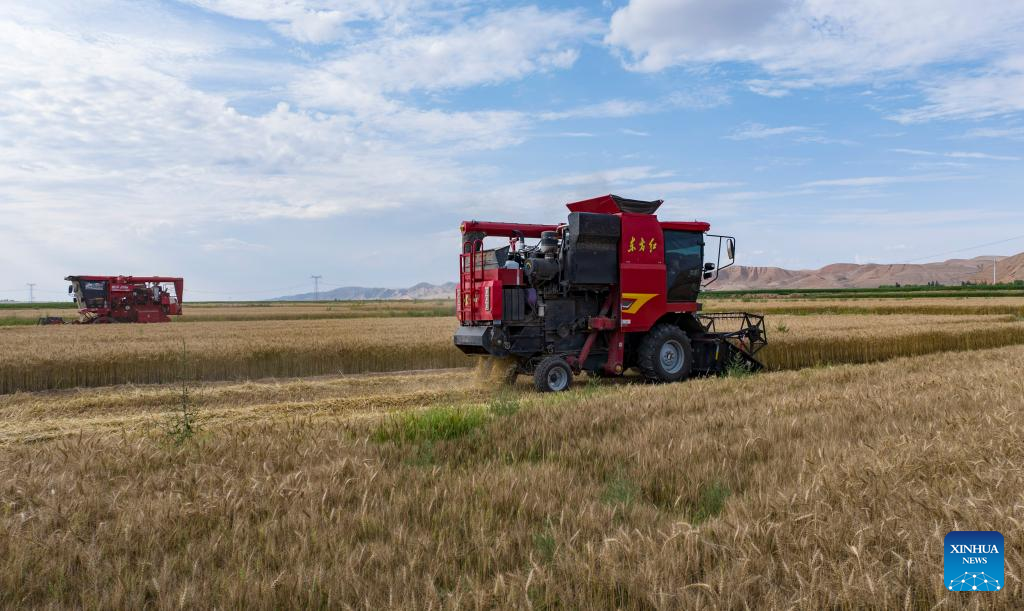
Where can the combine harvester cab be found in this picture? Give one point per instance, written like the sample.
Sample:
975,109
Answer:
612,289
115,299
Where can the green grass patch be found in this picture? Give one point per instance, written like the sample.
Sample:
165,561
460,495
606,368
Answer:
38,305
503,405
18,322
545,545
620,491
710,503
432,424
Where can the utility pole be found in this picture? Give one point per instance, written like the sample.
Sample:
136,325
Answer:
316,287
31,292
994,271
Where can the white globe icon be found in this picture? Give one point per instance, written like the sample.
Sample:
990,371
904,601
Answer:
974,582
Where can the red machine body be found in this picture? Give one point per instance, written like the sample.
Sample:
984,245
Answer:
141,299
592,290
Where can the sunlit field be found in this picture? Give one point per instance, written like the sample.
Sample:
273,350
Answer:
69,356
263,310
820,488
366,463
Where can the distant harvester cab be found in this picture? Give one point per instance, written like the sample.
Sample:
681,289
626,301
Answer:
611,289
140,299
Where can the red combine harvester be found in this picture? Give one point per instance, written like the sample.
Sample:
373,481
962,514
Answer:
614,288
110,299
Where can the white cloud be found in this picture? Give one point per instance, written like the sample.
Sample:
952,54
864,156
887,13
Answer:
993,91
534,198
309,21
819,139
231,244
661,33
1013,133
917,152
698,99
633,132
840,40
370,81
956,154
98,124
777,88
495,47
970,155
675,187
875,181
99,131
800,43
757,131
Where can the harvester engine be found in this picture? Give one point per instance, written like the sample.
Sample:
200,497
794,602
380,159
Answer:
611,289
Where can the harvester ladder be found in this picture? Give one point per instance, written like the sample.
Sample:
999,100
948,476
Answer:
467,282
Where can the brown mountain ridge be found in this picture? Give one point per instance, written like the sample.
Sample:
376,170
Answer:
871,275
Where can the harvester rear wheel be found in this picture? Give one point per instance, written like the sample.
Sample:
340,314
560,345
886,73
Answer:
553,374
665,354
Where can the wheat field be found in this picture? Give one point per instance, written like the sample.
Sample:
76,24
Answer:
819,488
767,304
321,472
262,310
963,306
70,356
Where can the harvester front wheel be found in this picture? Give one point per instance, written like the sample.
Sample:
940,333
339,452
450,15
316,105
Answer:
665,354
553,374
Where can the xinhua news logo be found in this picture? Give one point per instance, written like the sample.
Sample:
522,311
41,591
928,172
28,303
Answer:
973,561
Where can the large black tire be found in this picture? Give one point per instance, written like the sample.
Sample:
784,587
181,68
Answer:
665,354
553,374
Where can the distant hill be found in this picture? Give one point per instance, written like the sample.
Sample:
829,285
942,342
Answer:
1009,269
871,275
835,276
423,290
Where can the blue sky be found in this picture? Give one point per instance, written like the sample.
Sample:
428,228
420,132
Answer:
247,144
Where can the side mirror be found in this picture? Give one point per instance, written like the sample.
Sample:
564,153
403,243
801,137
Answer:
707,275
709,266
730,249
70,289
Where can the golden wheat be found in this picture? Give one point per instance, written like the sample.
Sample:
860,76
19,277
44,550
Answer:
274,311
825,488
35,358
815,340
38,358
966,306
48,414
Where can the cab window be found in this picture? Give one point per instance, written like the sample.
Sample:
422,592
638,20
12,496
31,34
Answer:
684,261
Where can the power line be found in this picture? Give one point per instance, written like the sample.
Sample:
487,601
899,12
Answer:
316,287
268,290
950,252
